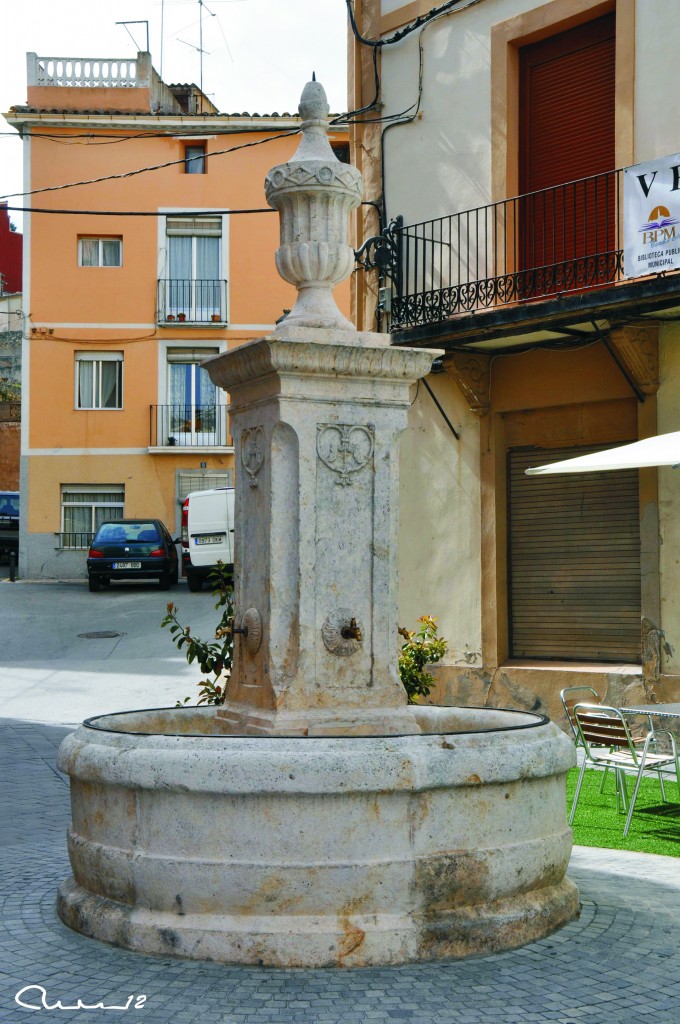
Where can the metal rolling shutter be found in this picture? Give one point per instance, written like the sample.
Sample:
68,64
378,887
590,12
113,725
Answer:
567,133
574,561
567,106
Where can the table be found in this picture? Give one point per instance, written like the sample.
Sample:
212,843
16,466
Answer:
659,710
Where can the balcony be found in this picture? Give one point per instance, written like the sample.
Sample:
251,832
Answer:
174,427
536,258
196,301
73,541
10,412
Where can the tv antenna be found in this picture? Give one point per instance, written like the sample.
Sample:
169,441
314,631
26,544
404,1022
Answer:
201,5
125,25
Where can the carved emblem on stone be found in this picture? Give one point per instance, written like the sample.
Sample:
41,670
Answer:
252,452
332,633
344,448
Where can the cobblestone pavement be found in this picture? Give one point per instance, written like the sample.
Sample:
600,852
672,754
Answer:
620,962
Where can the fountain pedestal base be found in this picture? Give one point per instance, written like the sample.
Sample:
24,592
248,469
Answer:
318,851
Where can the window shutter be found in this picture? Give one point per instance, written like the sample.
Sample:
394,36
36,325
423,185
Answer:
567,133
190,355
194,226
567,104
574,561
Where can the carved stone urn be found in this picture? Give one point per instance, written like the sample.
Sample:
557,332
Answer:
314,194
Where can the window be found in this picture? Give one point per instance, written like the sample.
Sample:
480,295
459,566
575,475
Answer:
341,151
189,480
84,507
99,380
100,252
194,159
195,414
194,290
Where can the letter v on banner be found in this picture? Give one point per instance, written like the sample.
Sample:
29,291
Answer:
651,217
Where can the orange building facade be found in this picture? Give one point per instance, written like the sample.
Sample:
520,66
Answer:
125,297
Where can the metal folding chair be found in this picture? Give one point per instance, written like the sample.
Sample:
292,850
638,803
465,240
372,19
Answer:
569,700
607,743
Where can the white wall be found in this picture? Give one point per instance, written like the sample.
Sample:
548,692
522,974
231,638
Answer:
668,400
657,47
439,520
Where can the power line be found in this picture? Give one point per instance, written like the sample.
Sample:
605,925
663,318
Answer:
130,213
144,170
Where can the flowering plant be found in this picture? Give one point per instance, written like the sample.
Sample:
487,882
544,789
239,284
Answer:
421,648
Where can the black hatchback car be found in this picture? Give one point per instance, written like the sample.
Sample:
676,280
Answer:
132,549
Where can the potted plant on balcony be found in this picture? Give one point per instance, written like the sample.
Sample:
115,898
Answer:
170,317
181,317
215,317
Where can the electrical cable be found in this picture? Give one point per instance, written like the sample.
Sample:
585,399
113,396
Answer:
129,213
413,26
144,170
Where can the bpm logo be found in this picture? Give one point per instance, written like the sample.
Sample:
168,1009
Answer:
660,227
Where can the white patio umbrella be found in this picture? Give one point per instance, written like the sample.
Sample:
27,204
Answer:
662,450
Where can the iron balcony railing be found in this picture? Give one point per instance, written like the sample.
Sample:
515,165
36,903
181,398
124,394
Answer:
195,301
188,426
73,541
561,239
10,412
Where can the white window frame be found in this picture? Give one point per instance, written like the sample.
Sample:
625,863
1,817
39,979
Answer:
194,353
92,503
100,241
172,213
97,358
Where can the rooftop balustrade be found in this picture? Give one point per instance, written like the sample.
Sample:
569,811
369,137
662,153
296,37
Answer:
89,72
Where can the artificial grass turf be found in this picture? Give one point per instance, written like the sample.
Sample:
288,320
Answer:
655,826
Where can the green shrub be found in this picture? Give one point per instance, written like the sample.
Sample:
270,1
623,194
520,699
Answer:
215,657
421,648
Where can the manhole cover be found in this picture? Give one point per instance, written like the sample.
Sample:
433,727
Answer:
101,634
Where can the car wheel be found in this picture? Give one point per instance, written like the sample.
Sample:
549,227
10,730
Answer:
164,581
194,582
94,584
174,575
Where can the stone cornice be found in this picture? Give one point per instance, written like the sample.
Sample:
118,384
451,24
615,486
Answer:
266,356
173,124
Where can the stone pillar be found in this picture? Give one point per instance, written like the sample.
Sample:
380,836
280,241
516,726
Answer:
316,412
315,426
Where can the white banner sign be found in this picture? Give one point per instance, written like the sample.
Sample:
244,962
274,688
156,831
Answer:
651,217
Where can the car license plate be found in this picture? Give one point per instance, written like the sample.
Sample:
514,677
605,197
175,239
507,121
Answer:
210,538
126,565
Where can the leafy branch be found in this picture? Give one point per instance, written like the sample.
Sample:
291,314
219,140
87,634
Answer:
213,657
421,648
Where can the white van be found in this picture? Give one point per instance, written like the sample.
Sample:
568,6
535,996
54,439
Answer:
207,533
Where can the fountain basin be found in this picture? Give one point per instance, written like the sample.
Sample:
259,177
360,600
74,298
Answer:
318,850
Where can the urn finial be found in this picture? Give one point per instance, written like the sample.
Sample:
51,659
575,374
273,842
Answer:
314,193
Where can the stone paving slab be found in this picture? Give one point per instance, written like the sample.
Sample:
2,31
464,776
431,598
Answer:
618,964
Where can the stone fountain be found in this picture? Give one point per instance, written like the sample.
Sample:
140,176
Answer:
315,818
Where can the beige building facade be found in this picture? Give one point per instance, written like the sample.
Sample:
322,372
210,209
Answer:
497,171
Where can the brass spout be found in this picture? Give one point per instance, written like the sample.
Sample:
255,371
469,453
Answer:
352,632
233,630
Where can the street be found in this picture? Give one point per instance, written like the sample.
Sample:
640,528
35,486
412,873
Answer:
50,673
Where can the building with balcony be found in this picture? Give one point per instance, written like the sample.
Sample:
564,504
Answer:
11,242
153,268
513,136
